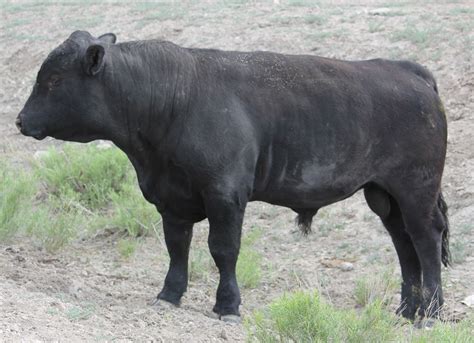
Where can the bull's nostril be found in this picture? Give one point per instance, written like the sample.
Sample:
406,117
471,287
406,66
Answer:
18,123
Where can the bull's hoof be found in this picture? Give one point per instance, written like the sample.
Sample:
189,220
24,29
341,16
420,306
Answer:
227,318
407,312
162,304
425,323
170,296
231,318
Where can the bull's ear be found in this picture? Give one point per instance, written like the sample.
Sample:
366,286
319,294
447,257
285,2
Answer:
109,38
94,59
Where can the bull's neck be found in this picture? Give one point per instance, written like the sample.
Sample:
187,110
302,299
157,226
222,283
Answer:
150,85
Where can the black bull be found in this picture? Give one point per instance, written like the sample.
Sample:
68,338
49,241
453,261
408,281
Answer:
208,131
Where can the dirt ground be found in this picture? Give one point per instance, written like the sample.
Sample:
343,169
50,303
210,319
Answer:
89,292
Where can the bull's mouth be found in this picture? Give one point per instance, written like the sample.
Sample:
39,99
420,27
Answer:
31,129
39,136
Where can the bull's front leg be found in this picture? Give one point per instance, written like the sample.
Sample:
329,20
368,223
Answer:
225,226
178,235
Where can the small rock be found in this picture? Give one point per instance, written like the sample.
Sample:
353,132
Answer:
40,154
380,11
223,335
425,324
104,145
12,250
20,258
346,266
469,301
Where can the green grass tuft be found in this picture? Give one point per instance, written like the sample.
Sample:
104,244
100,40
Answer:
249,271
459,251
86,174
378,288
71,192
305,317
462,332
77,313
315,19
15,190
54,224
132,213
200,264
419,37
127,247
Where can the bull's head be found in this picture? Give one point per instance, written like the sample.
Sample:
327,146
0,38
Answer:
67,99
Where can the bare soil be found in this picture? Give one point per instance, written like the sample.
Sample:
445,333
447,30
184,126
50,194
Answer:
89,292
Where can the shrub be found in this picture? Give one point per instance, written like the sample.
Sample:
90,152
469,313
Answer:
127,247
70,192
305,317
378,288
132,213
249,262
15,189
86,174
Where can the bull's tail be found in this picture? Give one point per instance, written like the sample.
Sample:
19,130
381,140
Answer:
445,253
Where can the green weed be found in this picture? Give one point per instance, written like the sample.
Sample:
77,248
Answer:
54,224
131,213
77,313
249,272
391,13
305,317
83,23
325,227
462,332
375,26
200,265
15,191
70,192
13,24
315,19
161,13
461,10
127,247
376,288
86,174
419,37
302,3
459,251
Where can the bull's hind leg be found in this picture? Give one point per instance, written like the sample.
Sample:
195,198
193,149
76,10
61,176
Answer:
425,225
389,212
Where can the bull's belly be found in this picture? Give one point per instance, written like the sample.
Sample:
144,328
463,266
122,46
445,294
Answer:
311,196
310,184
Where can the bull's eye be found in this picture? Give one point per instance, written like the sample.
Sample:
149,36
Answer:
53,82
